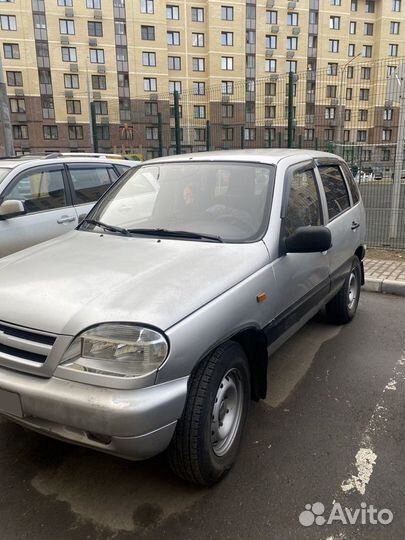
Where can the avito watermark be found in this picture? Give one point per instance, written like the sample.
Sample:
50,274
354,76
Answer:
315,514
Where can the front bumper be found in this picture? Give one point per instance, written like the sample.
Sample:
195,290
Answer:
135,424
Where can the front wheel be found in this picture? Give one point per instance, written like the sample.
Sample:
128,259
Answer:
208,435
342,308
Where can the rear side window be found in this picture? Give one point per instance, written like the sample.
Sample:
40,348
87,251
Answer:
40,189
354,190
337,196
121,168
90,182
304,206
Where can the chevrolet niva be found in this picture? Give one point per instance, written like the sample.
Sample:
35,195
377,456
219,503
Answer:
149,326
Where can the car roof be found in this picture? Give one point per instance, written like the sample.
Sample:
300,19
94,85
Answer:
13,163
270,156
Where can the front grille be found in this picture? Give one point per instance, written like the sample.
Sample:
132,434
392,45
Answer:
24,345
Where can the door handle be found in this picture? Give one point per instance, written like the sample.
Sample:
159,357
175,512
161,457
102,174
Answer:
355,225
65,219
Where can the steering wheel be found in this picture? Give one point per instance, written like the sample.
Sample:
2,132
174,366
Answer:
234,218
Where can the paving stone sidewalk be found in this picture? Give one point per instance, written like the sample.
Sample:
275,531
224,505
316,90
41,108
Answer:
385,276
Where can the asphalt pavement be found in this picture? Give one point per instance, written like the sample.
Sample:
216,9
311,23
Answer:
331,432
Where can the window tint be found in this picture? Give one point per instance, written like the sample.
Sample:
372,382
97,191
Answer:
121,169
354,190
89,183
335,188
304,207
40,190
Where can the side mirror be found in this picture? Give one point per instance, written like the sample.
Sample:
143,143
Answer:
310,239
11,208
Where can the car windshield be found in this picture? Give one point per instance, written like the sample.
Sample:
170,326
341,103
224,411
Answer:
3,173
222,201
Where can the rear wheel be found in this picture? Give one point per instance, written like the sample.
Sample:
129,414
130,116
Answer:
208,434
342,308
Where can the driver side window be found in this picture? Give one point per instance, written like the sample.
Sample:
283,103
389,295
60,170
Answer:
304,205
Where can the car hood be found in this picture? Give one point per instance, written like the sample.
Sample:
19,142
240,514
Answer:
83,278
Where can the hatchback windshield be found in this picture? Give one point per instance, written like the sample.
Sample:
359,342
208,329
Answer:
3,173
221,201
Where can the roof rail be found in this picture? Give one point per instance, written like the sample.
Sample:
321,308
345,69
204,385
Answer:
52,155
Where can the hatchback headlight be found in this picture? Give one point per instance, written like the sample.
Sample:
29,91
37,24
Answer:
117,350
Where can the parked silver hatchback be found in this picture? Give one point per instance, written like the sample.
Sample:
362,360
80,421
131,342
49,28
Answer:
149,327
41,198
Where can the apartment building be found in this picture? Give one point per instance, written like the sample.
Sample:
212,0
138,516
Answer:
228,60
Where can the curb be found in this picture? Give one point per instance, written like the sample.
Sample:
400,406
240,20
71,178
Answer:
385,286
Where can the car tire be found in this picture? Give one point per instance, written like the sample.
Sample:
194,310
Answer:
342,308
208,435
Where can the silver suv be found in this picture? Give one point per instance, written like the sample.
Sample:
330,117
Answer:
149,327
41,198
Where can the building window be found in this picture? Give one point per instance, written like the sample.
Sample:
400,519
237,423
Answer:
365,73
396,5
363,115
199,111
334,23
388,114
394,27
174,63
227,13
14,78
349,94
20,132
334,45
331,91
198,64
270,65
8,22
175,86
336,2
17,105
69,54
292,43
292,19
93,4
172,111
351,50
369,6
152,133
149,59
271,42
227,39
197,39
103,133
367,51
75,133
364,94
332,68
150,84
172,13
291,66
151,108
227,87
348,115
227,63
147,6
309,134
270,111
73,106
97,56
352,27
249,134
65,3
99,82
270,89
197,14
227,110
271,17
353,5
386,154
67,26
199,134
100,108
361,135
199,88
173,38
393,49
11,51
148,33
48,107
368,29
330,113
95,29
71,80
50,132
227,134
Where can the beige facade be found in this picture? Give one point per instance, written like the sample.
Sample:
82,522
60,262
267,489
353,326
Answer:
128,56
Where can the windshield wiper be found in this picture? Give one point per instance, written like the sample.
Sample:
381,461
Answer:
106,227
177,234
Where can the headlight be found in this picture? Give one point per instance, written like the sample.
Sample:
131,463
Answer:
118,350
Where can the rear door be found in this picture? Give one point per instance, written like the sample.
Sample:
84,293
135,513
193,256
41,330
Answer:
88,182
344,220
49,210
